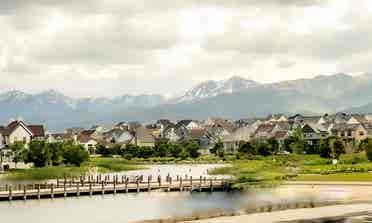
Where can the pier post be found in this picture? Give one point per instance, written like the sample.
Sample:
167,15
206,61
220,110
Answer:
211,184
191,185
159,181
57,182
24,192
52,191
114,186
64,189
181,184
149,179
38,191
10,193
103,187
138,188
78,189
126,185
90,189
170,184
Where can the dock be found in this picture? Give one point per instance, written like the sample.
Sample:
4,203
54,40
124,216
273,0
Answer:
90,186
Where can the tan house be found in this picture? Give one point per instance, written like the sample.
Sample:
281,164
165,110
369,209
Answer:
18,131
348,132
144,137
86,139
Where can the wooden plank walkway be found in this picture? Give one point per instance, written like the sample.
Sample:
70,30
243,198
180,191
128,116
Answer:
91,187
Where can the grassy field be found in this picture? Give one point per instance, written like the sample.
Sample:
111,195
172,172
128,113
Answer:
45,173
104,165
262,171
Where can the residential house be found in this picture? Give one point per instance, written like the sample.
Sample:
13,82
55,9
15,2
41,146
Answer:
266,131
86,139
60,137
117,136
350,132
189,124
230,143
144,137
18,131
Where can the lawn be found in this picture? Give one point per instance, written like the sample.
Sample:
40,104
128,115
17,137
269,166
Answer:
104,165
263,171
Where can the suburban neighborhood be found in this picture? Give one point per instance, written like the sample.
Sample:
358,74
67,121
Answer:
351,128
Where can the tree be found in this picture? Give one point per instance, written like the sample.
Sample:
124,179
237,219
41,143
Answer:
39,154
263,148
75,155
103,151
247,148
184,154
297,142
56,150
217,147
331,147
368,148
19,152
145,152
273,145
193,149
163,150
176,150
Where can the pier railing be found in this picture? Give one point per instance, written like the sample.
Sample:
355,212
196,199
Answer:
89,185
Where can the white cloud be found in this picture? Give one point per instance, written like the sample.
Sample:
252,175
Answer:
166,46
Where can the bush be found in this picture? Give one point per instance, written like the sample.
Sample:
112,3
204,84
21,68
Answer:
75,155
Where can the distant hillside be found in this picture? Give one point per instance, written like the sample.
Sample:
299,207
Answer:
233,98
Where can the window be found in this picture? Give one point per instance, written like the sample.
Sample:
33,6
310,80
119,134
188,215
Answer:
349,133
361,133
24,140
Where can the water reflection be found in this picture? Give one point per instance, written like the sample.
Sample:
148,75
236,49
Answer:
134,207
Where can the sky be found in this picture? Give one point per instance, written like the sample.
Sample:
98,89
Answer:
106,48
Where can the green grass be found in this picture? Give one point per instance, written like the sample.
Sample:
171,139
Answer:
347,177
264,171
104,165
45,173
113,164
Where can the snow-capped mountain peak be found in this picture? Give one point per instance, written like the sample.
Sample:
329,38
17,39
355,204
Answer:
213,88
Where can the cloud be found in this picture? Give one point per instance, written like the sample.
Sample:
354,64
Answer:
166,46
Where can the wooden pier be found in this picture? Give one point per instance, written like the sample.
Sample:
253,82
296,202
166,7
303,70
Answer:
89,186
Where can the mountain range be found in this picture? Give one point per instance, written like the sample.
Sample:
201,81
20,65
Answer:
232,98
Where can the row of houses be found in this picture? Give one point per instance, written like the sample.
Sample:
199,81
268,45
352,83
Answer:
350,127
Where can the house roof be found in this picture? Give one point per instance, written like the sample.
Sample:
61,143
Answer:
196,133
85,136
346,127
280,134
228,126
267,127
13,125
37,130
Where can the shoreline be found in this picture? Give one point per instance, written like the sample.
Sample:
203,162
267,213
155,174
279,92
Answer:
297,215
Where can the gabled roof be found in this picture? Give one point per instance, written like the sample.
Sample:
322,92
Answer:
37,130
85,136
280,134
346,127
196,134
13,126
267,127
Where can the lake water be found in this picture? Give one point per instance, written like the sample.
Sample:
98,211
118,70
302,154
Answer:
133,207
